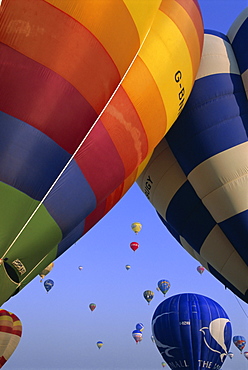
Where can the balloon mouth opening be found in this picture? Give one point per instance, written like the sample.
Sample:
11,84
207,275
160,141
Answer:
11,272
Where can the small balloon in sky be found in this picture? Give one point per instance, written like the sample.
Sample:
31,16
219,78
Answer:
128,267
92,306
48,284
99,344
134,246
148,295
136,227
80,268
200,269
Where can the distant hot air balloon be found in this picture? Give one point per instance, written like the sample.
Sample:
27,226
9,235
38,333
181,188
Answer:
190,329
246,355
80,268
163,364
99,344
230,354
136,227
10,334
46,271
200,269
92,306
128,267
137,335
201,194
48,284
140,326
134,246
148,295
240,342
164,286
54,159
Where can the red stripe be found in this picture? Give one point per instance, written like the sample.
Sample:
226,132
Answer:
43,99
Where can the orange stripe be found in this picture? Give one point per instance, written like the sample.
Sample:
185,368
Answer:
126,131
110,22
142,90
50,37
185,14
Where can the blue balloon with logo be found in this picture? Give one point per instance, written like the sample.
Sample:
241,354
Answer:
192,331
48,284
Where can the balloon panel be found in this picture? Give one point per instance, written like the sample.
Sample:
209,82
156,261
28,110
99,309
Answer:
57,196
197,176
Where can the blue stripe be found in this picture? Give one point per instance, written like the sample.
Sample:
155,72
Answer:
236,230
213,120
189,216
217,33
71,238
240,46
29,160
71,200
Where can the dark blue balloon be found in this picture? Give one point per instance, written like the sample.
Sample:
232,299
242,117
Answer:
48,284
192,331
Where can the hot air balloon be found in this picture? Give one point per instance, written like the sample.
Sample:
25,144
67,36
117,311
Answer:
10,334
148,295
163,364
136,227
192,331
164,286
62,169
240,342
246,355
200,269
140,326
46,271
80,268
230,355
137,336
48,284
99,344
128,267
209,217
92,306
134,246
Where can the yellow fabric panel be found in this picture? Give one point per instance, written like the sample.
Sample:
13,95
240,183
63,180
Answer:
142,89
118,26
229,188
229,261
216,49
140,13
170,50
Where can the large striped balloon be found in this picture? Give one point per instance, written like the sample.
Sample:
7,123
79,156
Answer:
63,142
197,178
10,335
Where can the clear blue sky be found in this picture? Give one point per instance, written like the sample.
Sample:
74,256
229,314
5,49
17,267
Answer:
59,330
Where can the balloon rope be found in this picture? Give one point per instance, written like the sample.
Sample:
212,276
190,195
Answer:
241,306
30,272
76,151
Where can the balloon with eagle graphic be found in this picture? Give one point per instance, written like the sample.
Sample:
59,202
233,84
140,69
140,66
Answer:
192,331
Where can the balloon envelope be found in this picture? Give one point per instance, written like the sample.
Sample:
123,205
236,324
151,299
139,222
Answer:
200,269
191,330
230,354
128,267
136,227
140,326
137,335
246,355
164,286
48,284
99,344
239,341
10,334
54,159
209,141
134,246
148,295
92,306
